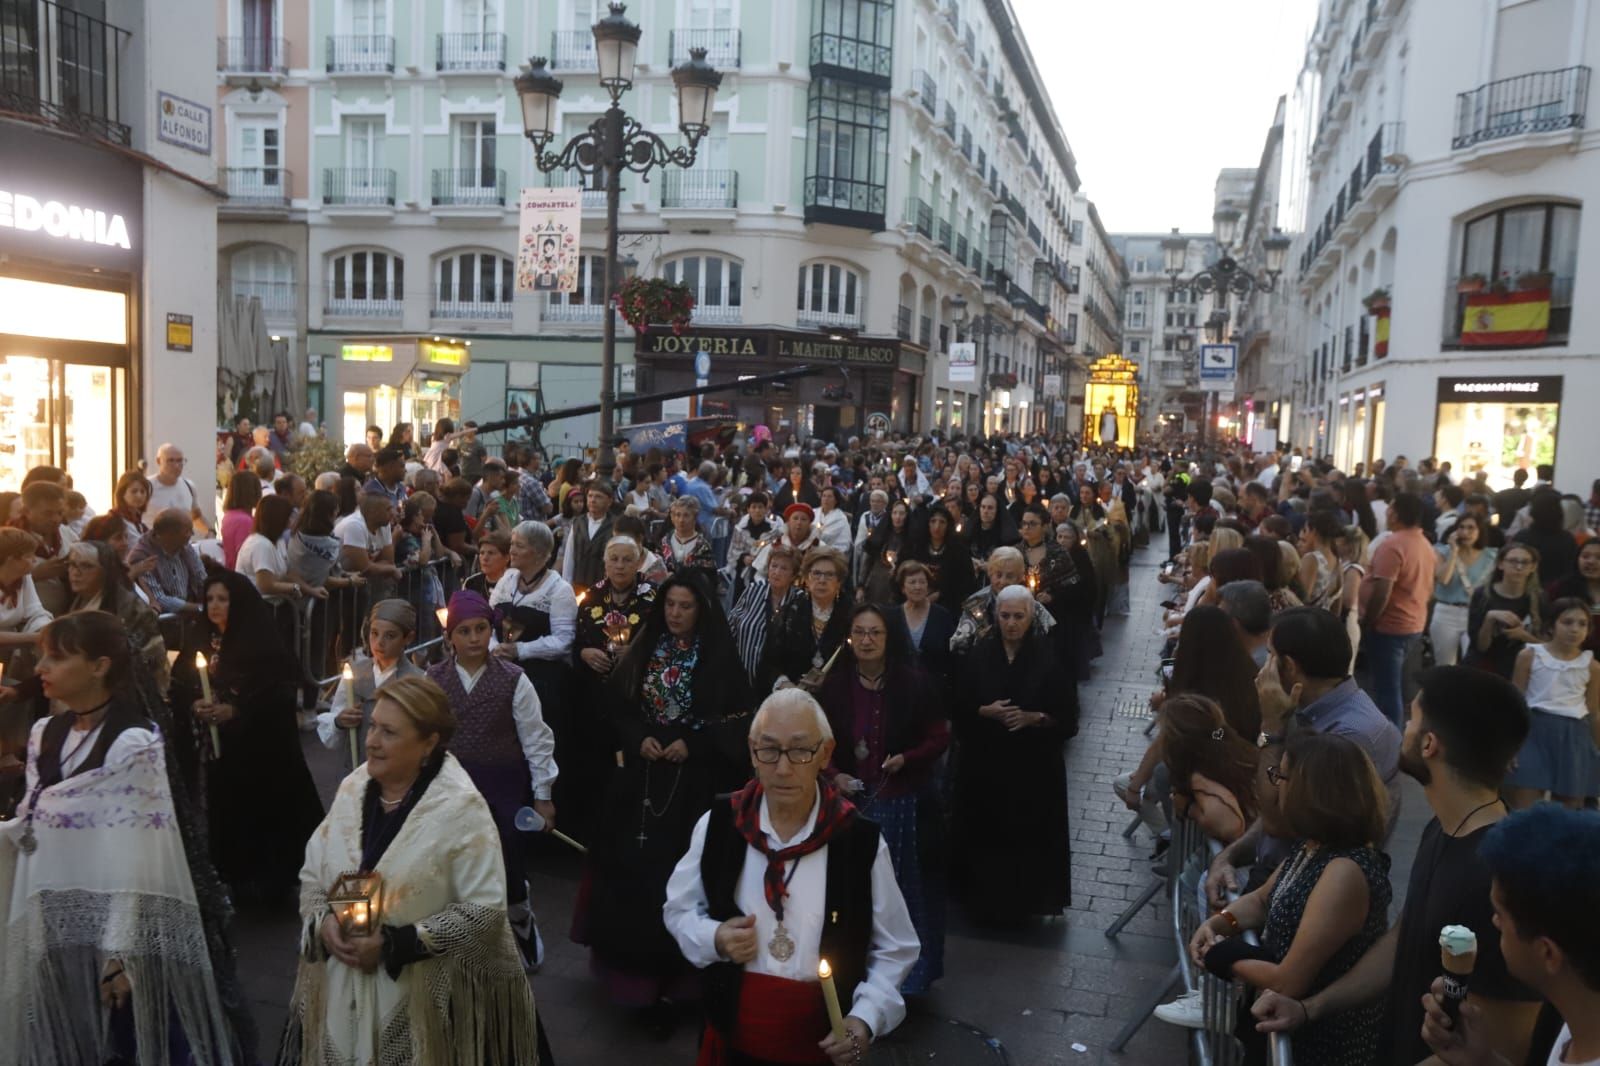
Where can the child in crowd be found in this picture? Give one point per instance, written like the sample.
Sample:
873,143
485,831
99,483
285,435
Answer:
1562,683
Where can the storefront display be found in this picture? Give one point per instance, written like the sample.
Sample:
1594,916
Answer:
386,381
1111,402
1498,425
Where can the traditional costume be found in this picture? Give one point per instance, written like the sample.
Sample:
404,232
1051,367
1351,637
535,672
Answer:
450,990
759,564
360,689
801,639
583,557
539,617
977,619
827,892
608,621
694,553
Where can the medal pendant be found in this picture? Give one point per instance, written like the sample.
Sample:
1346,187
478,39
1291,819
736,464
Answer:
862,751
27,842
780,946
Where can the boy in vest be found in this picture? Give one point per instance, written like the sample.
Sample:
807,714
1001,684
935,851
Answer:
390,626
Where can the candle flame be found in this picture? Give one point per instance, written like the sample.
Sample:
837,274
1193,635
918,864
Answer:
443,615
582,596
200,661
347,673
824,971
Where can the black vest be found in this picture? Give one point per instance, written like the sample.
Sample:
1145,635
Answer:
588,553
54,738
846,934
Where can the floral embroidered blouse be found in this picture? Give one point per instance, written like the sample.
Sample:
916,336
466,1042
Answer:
669,681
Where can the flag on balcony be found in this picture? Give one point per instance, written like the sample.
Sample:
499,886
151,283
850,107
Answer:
1380,347
1510,318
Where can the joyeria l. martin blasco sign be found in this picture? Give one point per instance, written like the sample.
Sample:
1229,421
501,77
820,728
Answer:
777,344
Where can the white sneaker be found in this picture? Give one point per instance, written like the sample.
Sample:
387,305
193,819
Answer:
1188,1010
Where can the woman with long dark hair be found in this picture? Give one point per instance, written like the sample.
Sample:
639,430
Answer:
1211,662
1583,585
888,736
952,577
882,552
1506,615
1357,508
1212,768
99,582
130,498
675,702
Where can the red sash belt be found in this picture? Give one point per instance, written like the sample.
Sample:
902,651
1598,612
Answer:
780,1021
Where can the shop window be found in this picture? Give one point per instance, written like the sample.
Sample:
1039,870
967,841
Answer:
473,285
1515,275
847,154
717,284
366,283
830,295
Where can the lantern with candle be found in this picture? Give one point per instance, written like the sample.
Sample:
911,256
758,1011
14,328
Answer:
617,631
1033,579
356,900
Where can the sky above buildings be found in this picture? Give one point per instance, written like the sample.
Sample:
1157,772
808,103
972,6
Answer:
1156,96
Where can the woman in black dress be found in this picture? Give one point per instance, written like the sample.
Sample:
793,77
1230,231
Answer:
991,529
952,576
261,801
1019,707
811,628
676,703
926,626
882,552
1065,589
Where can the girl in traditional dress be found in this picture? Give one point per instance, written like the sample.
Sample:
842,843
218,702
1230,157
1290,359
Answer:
889,732
437,981
675,703
502,742
685,546
391,624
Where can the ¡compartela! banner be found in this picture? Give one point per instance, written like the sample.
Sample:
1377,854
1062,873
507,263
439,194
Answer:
547,242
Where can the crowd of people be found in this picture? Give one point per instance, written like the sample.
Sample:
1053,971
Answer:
796,699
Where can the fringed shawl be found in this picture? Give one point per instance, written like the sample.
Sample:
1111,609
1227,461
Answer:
469,1004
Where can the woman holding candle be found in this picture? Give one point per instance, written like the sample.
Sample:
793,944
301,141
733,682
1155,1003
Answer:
889,732
992,528
437,970
1004,569
811,628
674,702
250,710
952,577
758,608
833,525
391,625
881,553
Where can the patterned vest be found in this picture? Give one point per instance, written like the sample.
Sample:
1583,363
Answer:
588,553
364,687
486,733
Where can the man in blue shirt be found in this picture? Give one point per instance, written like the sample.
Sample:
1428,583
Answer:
699,487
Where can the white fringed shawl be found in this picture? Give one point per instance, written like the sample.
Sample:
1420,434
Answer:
470,1004
108,880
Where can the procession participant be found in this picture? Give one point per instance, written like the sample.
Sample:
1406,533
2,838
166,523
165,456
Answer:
583,554
833,524
1019,707
756,612
437,982
684,546
881,554
391,625
494,556
502,743
952,577
798,534
991,528
1054,578
889,731
810,629
927,626
539,612
784,876
751,529
126,933
674,704
1004,568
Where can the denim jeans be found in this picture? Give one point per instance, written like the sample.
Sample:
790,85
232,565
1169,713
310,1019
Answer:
1386,663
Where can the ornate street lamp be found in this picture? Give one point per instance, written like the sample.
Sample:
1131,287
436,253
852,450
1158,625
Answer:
613,144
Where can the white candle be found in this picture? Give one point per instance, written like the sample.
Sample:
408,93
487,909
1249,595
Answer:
349,676
203,668
830,996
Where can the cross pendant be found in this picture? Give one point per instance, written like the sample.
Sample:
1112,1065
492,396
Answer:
641,838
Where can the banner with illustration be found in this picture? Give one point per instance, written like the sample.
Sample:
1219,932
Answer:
547,239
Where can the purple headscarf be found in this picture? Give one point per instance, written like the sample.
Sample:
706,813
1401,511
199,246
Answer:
467,605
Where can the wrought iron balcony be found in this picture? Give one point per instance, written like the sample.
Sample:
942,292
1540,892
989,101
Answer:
925,331
850,54
277,297
845,201
724,48
363,54
469,51
358,187
253,55
257,186
902,322
349,302
714,307
927,91
469,187
695,189
63,67
572,50
472,310
946,235
1541,102
919,216
559,310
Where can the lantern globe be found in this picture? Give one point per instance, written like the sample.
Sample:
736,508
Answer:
1175,249
697,83
538,90
616,46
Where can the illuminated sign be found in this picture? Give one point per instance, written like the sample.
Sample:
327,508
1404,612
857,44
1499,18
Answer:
66,222
367,353
444,355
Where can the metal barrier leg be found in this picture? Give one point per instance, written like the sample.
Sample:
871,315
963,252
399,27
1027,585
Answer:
1174,979
1152,890
1133,827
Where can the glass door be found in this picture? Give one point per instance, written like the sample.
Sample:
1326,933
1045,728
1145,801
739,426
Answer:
260,159
365,176
475,159
71,415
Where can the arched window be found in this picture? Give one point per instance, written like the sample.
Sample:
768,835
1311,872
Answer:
830,294
717,284
472,285
1515,277
266,273
585,303
366,283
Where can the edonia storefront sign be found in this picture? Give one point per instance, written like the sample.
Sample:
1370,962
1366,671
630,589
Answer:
67,222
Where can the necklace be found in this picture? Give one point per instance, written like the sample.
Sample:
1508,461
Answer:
648,808
28,843
871,682
392,804
781,946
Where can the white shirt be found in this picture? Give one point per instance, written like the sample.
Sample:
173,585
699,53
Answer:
343,699
834,528
27,615
566,549
890,954
759,563
553,595
352,532
538,741
257,553
77,746
1560,1049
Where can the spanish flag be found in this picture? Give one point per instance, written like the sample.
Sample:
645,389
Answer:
1505,319
1380,346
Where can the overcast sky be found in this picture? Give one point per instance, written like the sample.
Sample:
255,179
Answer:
1137,85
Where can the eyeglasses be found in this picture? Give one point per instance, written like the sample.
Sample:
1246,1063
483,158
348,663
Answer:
797,756
1276,776
1516,562
823,575
867,634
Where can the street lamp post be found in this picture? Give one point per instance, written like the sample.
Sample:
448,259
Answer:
985,325
613,144
1226,275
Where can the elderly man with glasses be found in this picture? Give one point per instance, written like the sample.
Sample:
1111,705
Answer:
170,490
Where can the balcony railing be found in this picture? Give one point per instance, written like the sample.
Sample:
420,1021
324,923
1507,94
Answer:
64,67
961,249
850,53
925,331
358,187
1560,323
472,310
927,91
364,54
846,319
572,50
845,194
561,311
919,216
724,48
277,297
470,51
257,186
946,235
1382,149
949,124
704,190
253,55
902,322
472,187
593,199
966,143
349,306
1533,103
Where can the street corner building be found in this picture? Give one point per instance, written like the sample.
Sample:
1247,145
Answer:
108,312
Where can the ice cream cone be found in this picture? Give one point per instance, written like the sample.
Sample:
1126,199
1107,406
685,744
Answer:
1458,953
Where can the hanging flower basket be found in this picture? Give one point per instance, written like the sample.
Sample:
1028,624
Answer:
1534,280
644,302
1470,283
1377,301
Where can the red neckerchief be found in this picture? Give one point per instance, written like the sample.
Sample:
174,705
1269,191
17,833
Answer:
49,547
834,812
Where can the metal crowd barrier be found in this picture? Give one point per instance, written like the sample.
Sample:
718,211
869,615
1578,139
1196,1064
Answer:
1188,859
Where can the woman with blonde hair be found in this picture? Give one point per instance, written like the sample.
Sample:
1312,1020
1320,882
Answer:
433,977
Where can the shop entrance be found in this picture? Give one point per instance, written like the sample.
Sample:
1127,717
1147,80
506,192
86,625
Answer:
55,412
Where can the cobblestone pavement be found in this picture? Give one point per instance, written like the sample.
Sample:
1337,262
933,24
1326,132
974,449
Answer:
1025,997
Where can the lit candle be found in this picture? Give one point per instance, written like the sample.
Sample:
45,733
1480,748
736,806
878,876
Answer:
830,995
1033,581
203,668
349,676
443,615
582,595
889,557
360,916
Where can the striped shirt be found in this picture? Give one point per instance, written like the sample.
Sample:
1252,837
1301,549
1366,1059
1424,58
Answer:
749,619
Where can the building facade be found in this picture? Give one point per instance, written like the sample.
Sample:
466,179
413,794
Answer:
870,161
1161,329
107,233
1438,163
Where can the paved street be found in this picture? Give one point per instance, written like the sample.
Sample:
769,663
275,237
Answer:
1024,997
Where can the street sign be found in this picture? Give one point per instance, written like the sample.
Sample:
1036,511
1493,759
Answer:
702,364
1218,362
877,423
